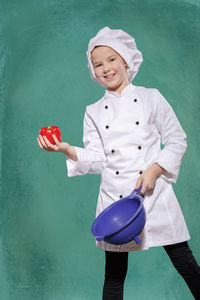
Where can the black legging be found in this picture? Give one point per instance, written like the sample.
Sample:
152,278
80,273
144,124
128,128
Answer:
180,255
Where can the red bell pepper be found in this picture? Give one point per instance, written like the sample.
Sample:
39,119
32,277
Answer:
48,131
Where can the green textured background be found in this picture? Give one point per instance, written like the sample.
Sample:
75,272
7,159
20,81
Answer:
46,249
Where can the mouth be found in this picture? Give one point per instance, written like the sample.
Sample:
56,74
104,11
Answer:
110,76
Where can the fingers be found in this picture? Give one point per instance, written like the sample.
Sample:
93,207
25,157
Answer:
138,184
146,186
142,181
38,140
144,189
41,142
55,139
49,145
44,143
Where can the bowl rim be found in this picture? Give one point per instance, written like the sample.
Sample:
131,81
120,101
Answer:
130,220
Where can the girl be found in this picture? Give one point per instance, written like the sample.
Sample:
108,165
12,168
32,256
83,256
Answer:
122,136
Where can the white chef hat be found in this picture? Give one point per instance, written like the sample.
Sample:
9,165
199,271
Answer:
122,43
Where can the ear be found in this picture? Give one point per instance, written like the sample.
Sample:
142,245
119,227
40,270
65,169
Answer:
125,64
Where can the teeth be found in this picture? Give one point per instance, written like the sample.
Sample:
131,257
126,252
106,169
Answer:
110,76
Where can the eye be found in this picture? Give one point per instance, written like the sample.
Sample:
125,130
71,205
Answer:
113,59
99,65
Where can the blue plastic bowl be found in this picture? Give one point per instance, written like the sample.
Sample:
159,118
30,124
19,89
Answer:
122,221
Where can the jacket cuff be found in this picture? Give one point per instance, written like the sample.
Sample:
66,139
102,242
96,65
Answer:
79,167
170,163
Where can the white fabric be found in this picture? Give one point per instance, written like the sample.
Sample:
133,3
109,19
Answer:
122,43
157,122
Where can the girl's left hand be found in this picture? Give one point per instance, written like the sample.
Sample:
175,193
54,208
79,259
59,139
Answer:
148,178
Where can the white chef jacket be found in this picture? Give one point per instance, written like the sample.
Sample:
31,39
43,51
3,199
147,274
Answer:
122,136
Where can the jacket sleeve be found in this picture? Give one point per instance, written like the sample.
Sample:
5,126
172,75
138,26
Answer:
173,139
91,158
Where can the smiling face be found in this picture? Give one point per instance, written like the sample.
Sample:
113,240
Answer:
110,68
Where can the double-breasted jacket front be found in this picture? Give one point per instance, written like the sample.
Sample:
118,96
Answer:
122,137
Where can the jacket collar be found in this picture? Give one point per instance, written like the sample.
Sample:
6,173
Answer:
127,92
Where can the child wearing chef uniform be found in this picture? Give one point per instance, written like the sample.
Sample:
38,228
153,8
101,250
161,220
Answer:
122,136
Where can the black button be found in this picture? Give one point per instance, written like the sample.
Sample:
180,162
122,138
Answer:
141,172
113,151
135,100
139,147
137,123
117,172
107,126
121,196
106,107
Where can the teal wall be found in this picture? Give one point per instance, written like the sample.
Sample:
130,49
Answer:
46,249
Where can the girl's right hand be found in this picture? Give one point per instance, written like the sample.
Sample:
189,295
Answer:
63,147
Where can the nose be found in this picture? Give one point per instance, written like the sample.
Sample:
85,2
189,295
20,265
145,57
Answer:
106,67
